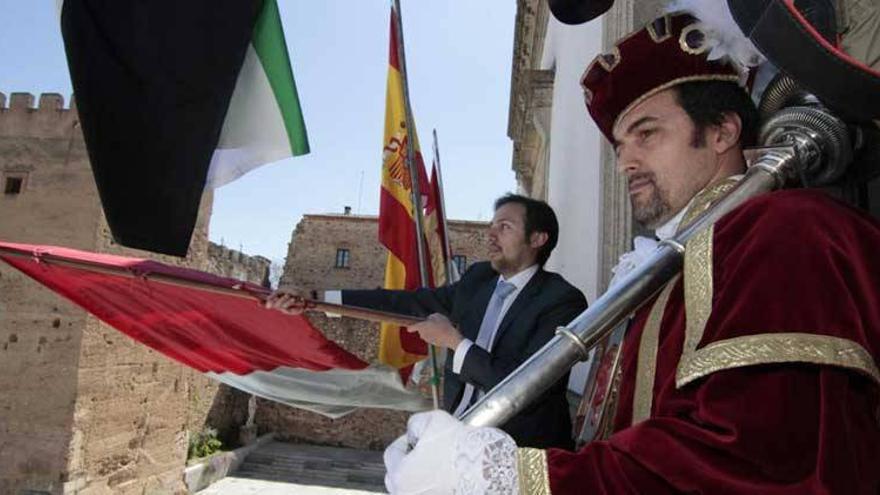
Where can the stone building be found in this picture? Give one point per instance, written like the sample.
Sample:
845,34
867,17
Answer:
83,408
343,251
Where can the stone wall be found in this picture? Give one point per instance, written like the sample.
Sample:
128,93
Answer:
235,264
310,265
40,333
83,408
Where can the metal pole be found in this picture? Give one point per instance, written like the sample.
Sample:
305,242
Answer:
416,193
441,201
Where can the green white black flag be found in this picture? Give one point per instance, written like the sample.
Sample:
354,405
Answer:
165,89
264,122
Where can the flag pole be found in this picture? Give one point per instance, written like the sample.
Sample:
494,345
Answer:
447,251
416,193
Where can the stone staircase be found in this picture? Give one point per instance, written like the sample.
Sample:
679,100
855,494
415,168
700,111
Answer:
314,465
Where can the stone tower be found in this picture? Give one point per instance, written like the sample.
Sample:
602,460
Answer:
83,408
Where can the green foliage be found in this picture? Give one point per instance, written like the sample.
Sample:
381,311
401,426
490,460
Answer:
203,443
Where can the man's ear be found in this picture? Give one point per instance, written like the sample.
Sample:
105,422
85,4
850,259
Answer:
727,133
538,239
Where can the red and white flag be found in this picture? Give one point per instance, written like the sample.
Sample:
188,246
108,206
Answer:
217,326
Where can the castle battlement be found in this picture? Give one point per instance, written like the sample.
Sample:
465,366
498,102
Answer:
24,102
233,263
20,117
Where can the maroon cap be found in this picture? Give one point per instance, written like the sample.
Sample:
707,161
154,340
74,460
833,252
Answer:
671,50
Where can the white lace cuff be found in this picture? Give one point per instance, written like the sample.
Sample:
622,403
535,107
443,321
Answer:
486,462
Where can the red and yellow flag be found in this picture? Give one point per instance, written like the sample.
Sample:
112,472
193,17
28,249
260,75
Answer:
435,235
397,231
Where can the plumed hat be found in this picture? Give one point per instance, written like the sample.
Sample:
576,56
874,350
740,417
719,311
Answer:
673,49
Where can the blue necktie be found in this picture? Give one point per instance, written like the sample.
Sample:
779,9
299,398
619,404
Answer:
487,331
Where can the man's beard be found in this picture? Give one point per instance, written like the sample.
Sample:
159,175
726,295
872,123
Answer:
501,264
655,208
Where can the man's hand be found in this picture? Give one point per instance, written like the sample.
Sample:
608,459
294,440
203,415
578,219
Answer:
290,301
448,456
439,331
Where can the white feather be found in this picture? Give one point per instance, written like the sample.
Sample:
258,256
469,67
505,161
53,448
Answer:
728,40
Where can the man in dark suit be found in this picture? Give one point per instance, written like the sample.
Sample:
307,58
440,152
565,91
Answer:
494,318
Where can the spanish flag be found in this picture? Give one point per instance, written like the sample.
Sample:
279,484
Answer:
397,231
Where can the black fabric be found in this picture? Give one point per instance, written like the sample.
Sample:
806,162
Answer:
152,81
850,89
544,304
578,11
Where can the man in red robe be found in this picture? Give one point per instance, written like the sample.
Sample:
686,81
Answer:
755,370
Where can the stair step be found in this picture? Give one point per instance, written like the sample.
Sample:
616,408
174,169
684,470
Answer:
315,465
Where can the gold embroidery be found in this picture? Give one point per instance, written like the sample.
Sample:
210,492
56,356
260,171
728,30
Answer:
698,286
609,60
698,42
531,468
698,283
660,29
632,34
777,348
646,371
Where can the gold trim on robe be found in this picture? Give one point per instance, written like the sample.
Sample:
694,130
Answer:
646,371
698,283
748,350
531,468
770,348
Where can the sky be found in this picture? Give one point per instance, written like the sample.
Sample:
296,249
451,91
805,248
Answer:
458,54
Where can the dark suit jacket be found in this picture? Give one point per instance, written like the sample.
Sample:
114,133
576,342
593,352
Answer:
544,304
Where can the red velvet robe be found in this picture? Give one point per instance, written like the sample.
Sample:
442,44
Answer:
792,261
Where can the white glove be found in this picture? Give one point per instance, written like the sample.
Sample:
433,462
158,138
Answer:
450,457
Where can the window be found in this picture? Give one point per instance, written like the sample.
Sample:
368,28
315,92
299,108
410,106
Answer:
342,258
460,263
13,184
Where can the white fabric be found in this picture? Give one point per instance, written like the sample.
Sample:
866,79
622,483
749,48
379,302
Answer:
253,132
643,247
333,297
491,319
520,280
448,457
461,351
332,393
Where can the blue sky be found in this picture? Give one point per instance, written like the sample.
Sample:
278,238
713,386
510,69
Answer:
459,61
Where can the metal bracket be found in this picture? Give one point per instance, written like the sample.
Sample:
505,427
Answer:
584,352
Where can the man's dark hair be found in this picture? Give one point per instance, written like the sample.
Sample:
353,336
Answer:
706,102
539,218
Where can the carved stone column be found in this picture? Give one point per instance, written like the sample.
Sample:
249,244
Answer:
531,94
